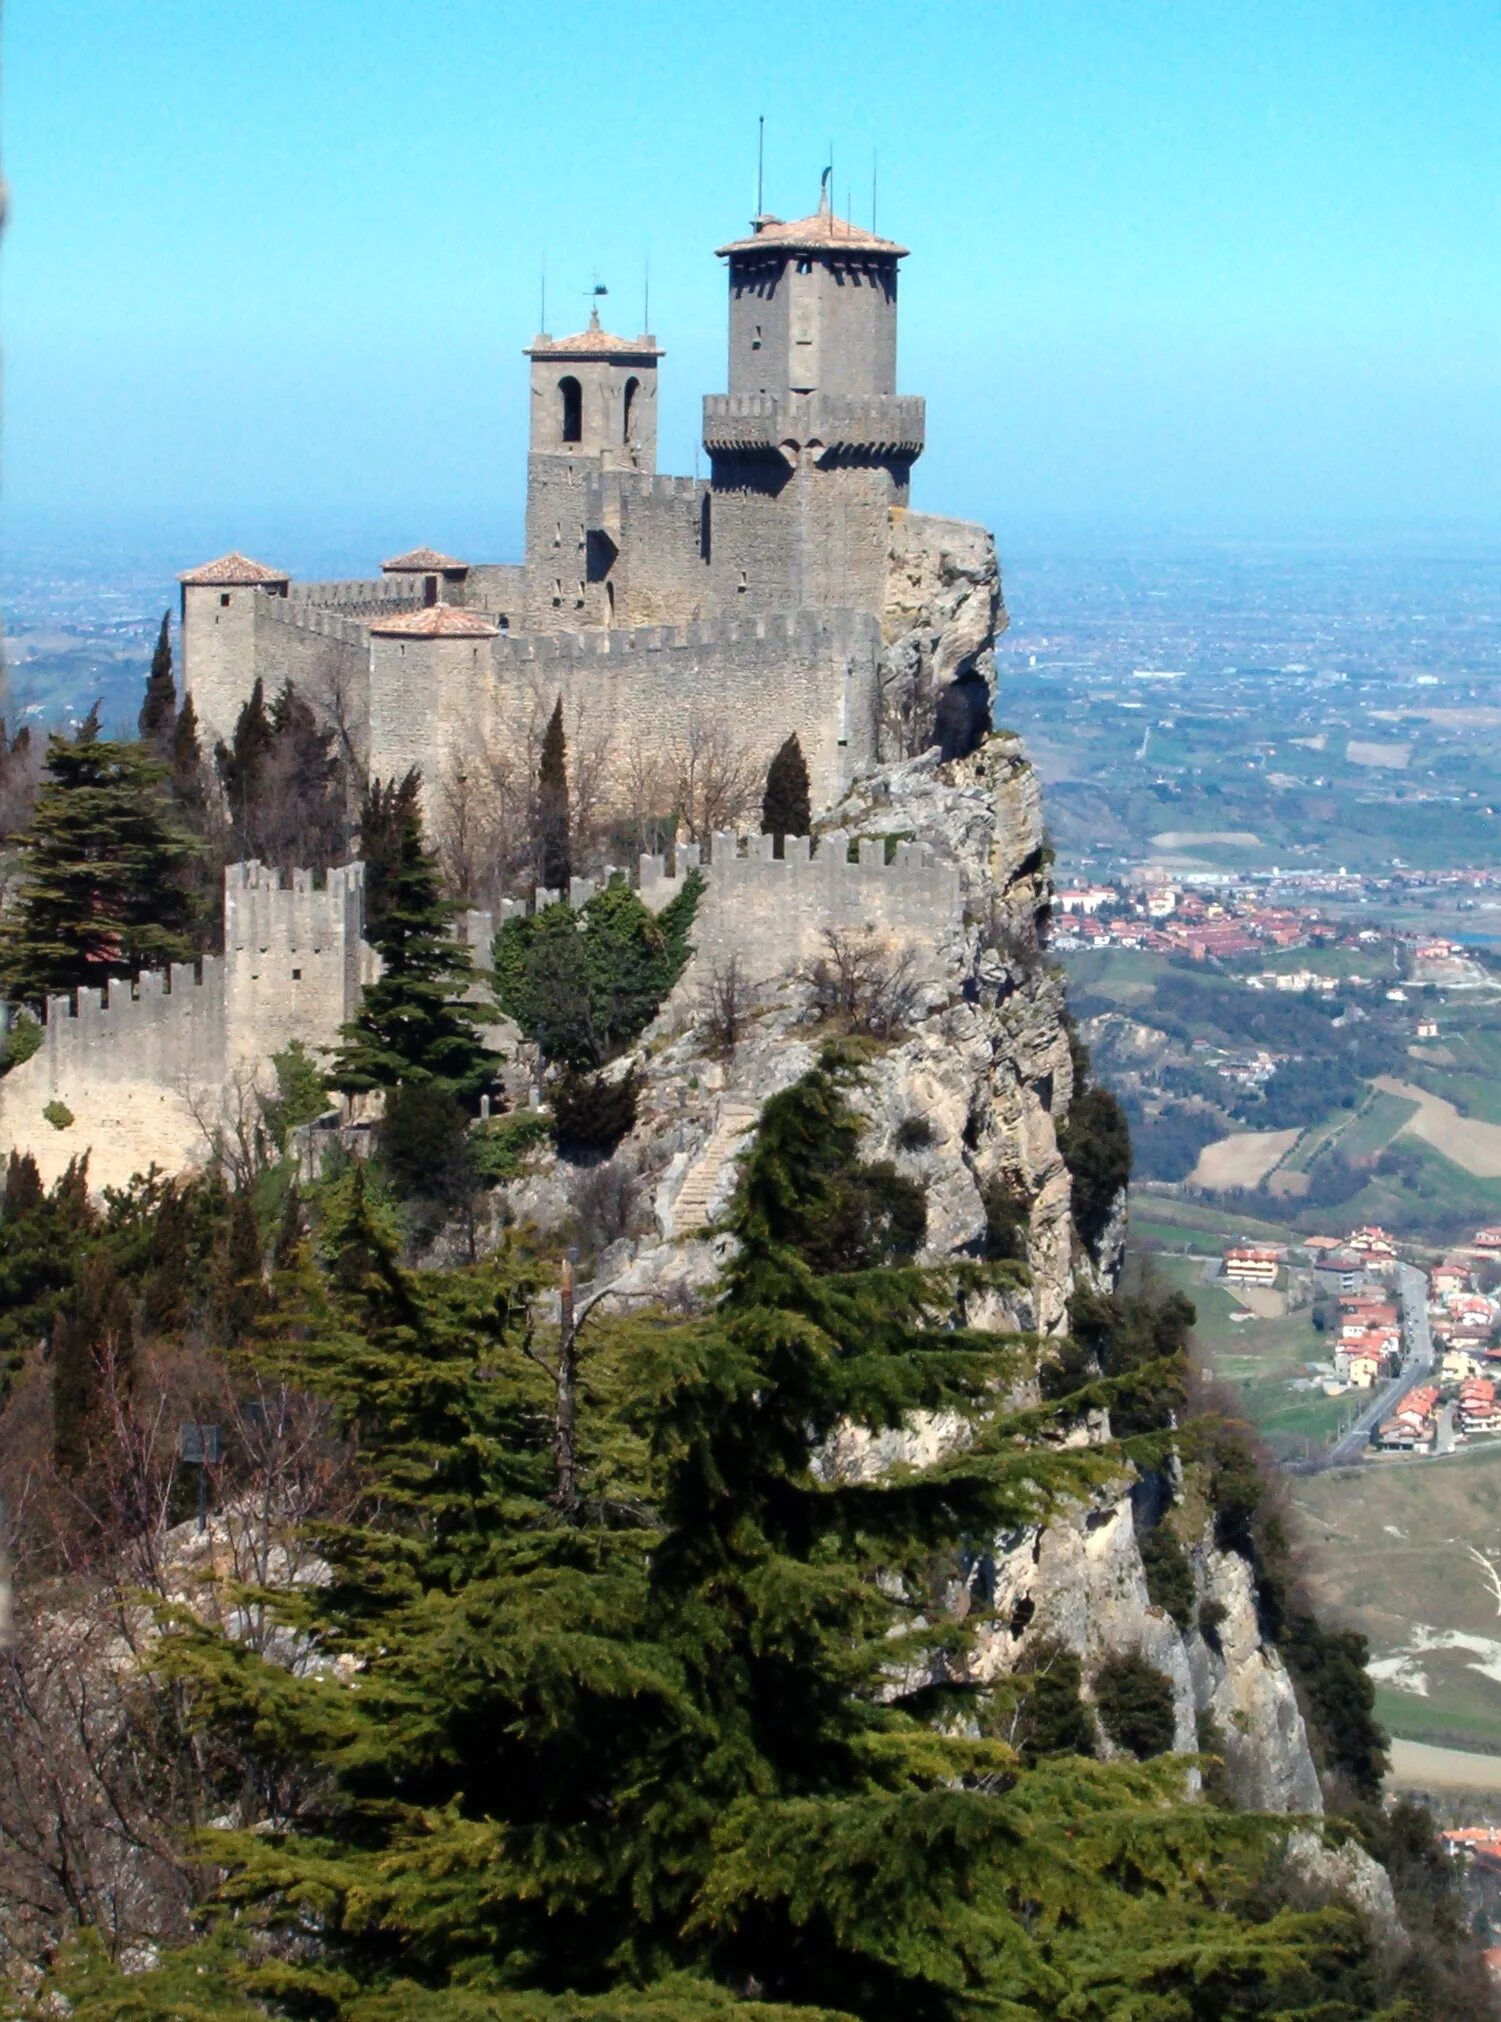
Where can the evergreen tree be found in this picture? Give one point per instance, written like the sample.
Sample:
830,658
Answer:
787,807
414,1023
384,813
93,1328
242,766
706,1731
585,985
158,718
554,858
101,890
304,813
186,777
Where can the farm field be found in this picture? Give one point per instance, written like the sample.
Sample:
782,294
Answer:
1468,1140
1409,1553
1263,1360
1243,1160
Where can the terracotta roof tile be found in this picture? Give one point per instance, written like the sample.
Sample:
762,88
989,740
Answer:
820,233
437,621
233,568
593,343
417,559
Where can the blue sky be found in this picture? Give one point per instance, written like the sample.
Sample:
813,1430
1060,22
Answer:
270,266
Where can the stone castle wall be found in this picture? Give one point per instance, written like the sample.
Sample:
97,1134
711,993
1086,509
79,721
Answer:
142,1068
639,690
772,913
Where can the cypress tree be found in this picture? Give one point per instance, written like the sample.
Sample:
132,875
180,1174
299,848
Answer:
554,859
93,1325
186,776
242,765
786,807
414,1023
158,717
303,818
102,876
384,813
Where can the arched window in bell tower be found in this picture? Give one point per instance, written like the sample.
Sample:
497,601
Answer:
632,388
571,394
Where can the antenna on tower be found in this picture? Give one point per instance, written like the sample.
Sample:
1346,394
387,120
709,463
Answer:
874,162
542,324
761,165
645,293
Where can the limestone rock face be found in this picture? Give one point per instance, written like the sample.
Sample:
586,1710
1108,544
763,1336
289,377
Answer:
942,616
1245,1687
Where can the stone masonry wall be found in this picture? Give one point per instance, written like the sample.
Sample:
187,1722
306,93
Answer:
142,1068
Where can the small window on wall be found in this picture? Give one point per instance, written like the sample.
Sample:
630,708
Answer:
296,975
632,388
429,591
224,598
571,394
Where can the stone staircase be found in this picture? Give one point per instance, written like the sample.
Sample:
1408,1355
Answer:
726,1141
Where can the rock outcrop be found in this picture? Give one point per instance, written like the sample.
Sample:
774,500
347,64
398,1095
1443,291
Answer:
942,616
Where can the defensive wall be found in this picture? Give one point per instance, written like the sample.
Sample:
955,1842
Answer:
142,1067
771,913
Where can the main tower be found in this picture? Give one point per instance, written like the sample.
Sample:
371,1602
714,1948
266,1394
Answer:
812,446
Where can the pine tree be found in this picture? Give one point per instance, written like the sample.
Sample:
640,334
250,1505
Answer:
787,808
303,814
158,718
554,859
414,1023
102,875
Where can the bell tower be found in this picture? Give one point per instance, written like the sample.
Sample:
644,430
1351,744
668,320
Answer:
812,447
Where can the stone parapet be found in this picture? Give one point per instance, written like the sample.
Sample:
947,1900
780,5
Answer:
881,424
767,636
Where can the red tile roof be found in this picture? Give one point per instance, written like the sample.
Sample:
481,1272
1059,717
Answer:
436,621
231,569
820,233
417,559
593,343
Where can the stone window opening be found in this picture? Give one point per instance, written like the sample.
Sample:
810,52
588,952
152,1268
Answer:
296,975
628,421
224,599
429,591
756,340
571,394
741,586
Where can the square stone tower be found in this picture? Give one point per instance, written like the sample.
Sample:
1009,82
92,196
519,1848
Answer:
812,446
594,409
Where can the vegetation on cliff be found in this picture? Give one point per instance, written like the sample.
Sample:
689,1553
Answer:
614,1697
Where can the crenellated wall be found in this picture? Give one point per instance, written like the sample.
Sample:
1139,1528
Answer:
143,1068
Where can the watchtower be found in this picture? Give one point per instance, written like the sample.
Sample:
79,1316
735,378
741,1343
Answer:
594,409
812,446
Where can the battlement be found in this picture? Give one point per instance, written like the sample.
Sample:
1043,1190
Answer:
639,484
365,593
323,620
165,1028
265,914
895,423
765,636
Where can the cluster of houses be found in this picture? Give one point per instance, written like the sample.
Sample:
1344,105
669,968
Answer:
1167,920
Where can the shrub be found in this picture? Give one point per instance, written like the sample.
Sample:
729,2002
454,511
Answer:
1170,1580
914,1133
424,1144
301,1094
21,1041
1006,1223
605,1199
727,1001
58,1115
1052,1718
501,1145
591,1113
863,983
1211,1615
876,1216
1095,1141
1135,1704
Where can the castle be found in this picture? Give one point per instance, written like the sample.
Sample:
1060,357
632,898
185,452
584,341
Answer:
792,590
765,589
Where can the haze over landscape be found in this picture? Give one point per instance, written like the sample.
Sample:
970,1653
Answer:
532,882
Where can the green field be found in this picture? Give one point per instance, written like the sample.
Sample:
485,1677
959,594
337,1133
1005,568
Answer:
1389,1551
1173,1222
1261,1361
1372,1127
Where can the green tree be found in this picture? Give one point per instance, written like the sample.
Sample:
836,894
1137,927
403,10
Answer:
414,1023
102,873
1052,1718
92,1343
386,809
554,855
1135,1704
702,1730
585,985
158,718
786,807
187,777
242,766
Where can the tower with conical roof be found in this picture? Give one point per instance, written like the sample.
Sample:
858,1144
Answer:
812,447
